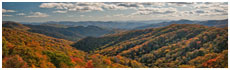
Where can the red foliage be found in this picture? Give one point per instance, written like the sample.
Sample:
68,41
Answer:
209,63
76,59
89,64
198,42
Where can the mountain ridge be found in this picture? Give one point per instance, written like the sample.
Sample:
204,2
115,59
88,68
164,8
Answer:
215,23
69,33
148,46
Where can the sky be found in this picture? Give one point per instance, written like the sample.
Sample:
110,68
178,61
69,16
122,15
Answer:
112,11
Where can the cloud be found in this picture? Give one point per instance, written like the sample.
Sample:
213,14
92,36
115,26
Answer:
85,9
145,8
155,4
180,4
114,7
56,5
80,7
119,15
152,11
88,6
21,14
211,8
82,15
6,11
38,14
7,15
130,5
59,11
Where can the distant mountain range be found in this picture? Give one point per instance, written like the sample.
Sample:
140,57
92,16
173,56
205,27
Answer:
131,24
68,33
102,24
77,30
215,23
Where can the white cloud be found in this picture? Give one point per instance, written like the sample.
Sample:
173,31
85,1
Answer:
130,4
155,4
151,11
7,15
82,15
88,6
211,8
59,11
80,7
119,15
114,7
6,11
180,4
38,14
56,5
163,9
21,14
85,9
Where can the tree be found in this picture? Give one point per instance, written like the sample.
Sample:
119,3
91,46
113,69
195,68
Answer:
14,62
89,64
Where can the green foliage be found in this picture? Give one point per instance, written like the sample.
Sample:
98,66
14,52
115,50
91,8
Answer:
58,58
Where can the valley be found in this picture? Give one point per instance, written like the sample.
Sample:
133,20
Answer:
175,44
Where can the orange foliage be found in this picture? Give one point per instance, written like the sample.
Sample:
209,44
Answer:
209,63
89,64
119,57
33,66
107,61
76,59
14,62
10,45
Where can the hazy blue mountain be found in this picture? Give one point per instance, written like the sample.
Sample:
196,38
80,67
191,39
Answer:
103,24
215,23
68,33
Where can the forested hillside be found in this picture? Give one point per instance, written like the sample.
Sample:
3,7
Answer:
23,49
176,45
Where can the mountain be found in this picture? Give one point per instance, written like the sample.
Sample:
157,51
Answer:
172,46
102,24
215,23
68,33
24,49
14,25
176,45
56,25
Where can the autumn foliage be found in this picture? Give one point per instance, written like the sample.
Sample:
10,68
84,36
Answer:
177,45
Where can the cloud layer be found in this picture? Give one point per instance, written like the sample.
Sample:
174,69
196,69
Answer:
125,10
6,11
37,14
143,8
